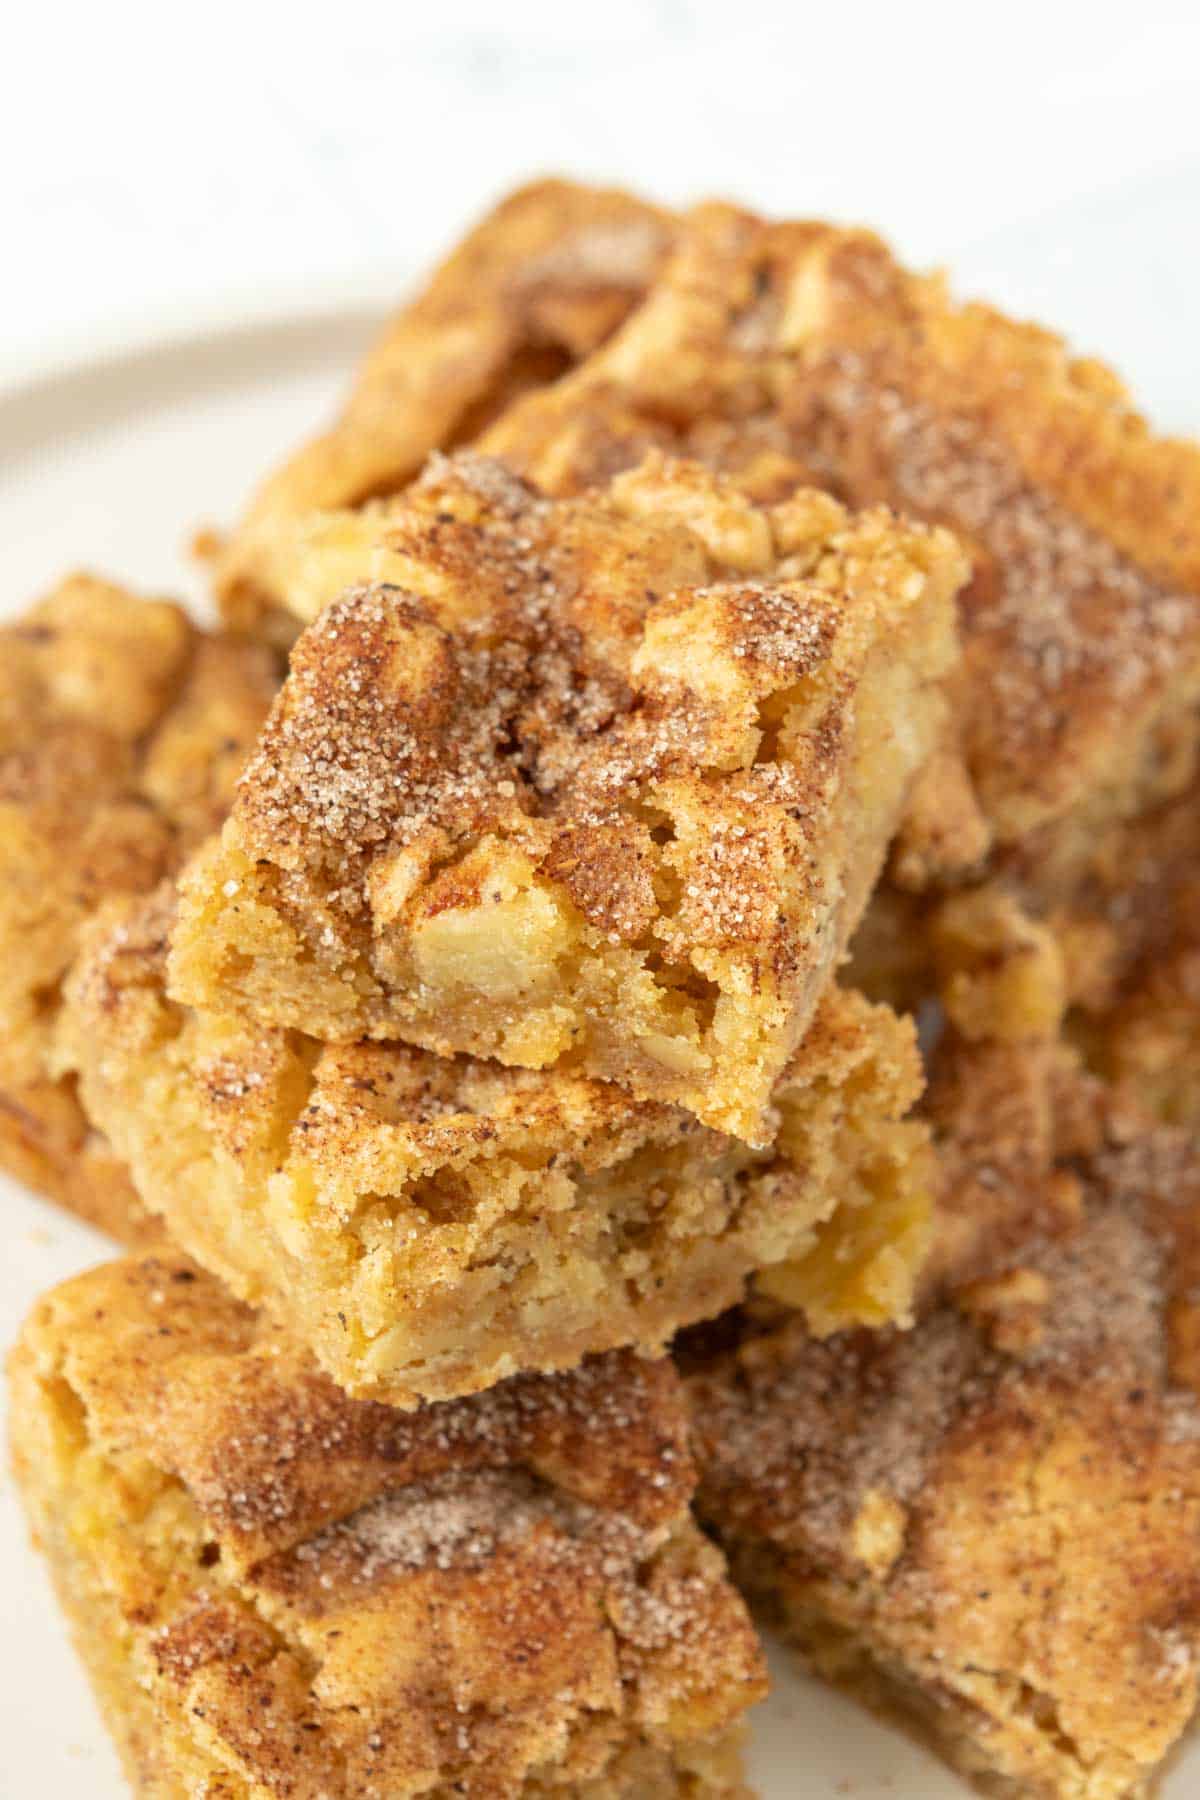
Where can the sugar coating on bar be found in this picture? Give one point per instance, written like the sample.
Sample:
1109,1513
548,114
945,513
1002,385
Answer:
122,728
280,1590
988,1526
600,783
773,349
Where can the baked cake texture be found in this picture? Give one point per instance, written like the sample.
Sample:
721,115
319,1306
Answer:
1149,1044
1147,1040
989,1527
433,1225
281,1591
1011,1124
784,352
1115,897
535,286
768,346
600,784
1071,923
122,727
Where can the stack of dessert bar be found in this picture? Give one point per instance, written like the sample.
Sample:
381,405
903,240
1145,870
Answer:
480,982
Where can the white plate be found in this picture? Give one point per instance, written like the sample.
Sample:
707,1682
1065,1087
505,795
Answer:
111,463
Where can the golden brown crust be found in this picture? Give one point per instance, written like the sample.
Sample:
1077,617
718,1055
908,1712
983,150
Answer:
168,1365
121,730
431,1225
800,344
599,783
992,1520
535,286
496,1598
775,350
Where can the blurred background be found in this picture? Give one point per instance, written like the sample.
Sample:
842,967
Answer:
161,163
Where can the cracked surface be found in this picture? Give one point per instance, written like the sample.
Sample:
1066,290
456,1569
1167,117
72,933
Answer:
784,352
990,1524
779,350
122,728
431,1225
775,349
767,348
600,784
543,280
282,1591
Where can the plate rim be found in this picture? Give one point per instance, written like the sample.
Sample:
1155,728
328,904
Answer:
177,327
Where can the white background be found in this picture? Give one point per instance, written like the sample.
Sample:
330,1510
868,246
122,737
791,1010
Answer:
154,155
163,169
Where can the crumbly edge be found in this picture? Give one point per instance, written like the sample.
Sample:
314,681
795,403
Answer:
48,1442
122,725
1092,927
238,944
847,1247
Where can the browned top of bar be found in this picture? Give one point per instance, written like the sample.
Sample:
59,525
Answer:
552,659
492,1597
271,1451
766,346
1014,1486
650,698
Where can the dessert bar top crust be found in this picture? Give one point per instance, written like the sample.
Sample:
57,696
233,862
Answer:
167,1364
497,1598
122,728
602,781
1010,1493
766,347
